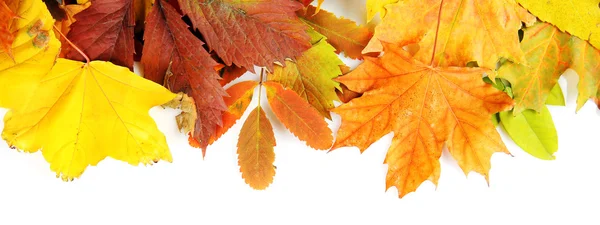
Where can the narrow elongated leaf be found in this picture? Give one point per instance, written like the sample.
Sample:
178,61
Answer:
255,150
298,116
533,132
240,96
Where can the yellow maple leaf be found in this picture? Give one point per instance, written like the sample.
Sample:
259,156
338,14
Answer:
79,113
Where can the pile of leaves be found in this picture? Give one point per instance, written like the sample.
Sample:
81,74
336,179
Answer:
435,73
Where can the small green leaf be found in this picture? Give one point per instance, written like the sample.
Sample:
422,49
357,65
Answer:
495,119
533,132
556,96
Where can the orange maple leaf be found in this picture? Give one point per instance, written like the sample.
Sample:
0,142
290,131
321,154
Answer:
425,106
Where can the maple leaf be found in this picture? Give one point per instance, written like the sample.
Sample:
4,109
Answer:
578,17
425,106
473,30
586,62
548,56
169,43
377,6
104,31
84,105
311,76
238,30
298,116
255,150
343,34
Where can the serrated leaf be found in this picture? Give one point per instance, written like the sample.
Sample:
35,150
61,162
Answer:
343,34
238,99
578,17
586,62
255,150
298,116
473,30
533,132
104,31
311,76
248,33
425,107
174,55
93,111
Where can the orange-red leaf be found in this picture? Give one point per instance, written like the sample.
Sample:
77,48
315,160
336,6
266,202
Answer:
298,116
169,43
104,31
343,34
230,73
255,150
240,96
425,107
6,36
248,33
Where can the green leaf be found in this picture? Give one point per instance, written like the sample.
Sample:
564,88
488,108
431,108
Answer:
495,119
533,132
556,96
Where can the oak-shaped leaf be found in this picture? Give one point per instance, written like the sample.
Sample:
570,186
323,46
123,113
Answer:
104,31
80,113
426,107
343,34
173,55
248,33
457,31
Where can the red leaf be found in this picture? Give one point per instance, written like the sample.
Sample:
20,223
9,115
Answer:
168,42
249,33
104,31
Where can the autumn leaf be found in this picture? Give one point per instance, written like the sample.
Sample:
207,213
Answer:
239,30
104,31
460,31
343,34
83,106
578,17
586,62
238,99
230,73
534,132
548,56
64,25
311,76
425,106
377,6
298,116
169,44
255,150
6,36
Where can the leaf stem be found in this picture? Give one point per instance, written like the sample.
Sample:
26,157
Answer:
87,59
437,32
260,82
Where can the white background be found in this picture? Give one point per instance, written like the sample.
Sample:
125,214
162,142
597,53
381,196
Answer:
312,186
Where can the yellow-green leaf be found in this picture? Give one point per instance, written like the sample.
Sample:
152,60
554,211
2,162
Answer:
533,132
556,97
311,76
377,6
578,17
80,113
586,62
255,150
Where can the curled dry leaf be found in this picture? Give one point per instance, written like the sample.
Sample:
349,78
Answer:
298,116
237,31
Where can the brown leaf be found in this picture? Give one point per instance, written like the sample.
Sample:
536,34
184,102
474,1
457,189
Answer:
169,43
249,33
104,31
